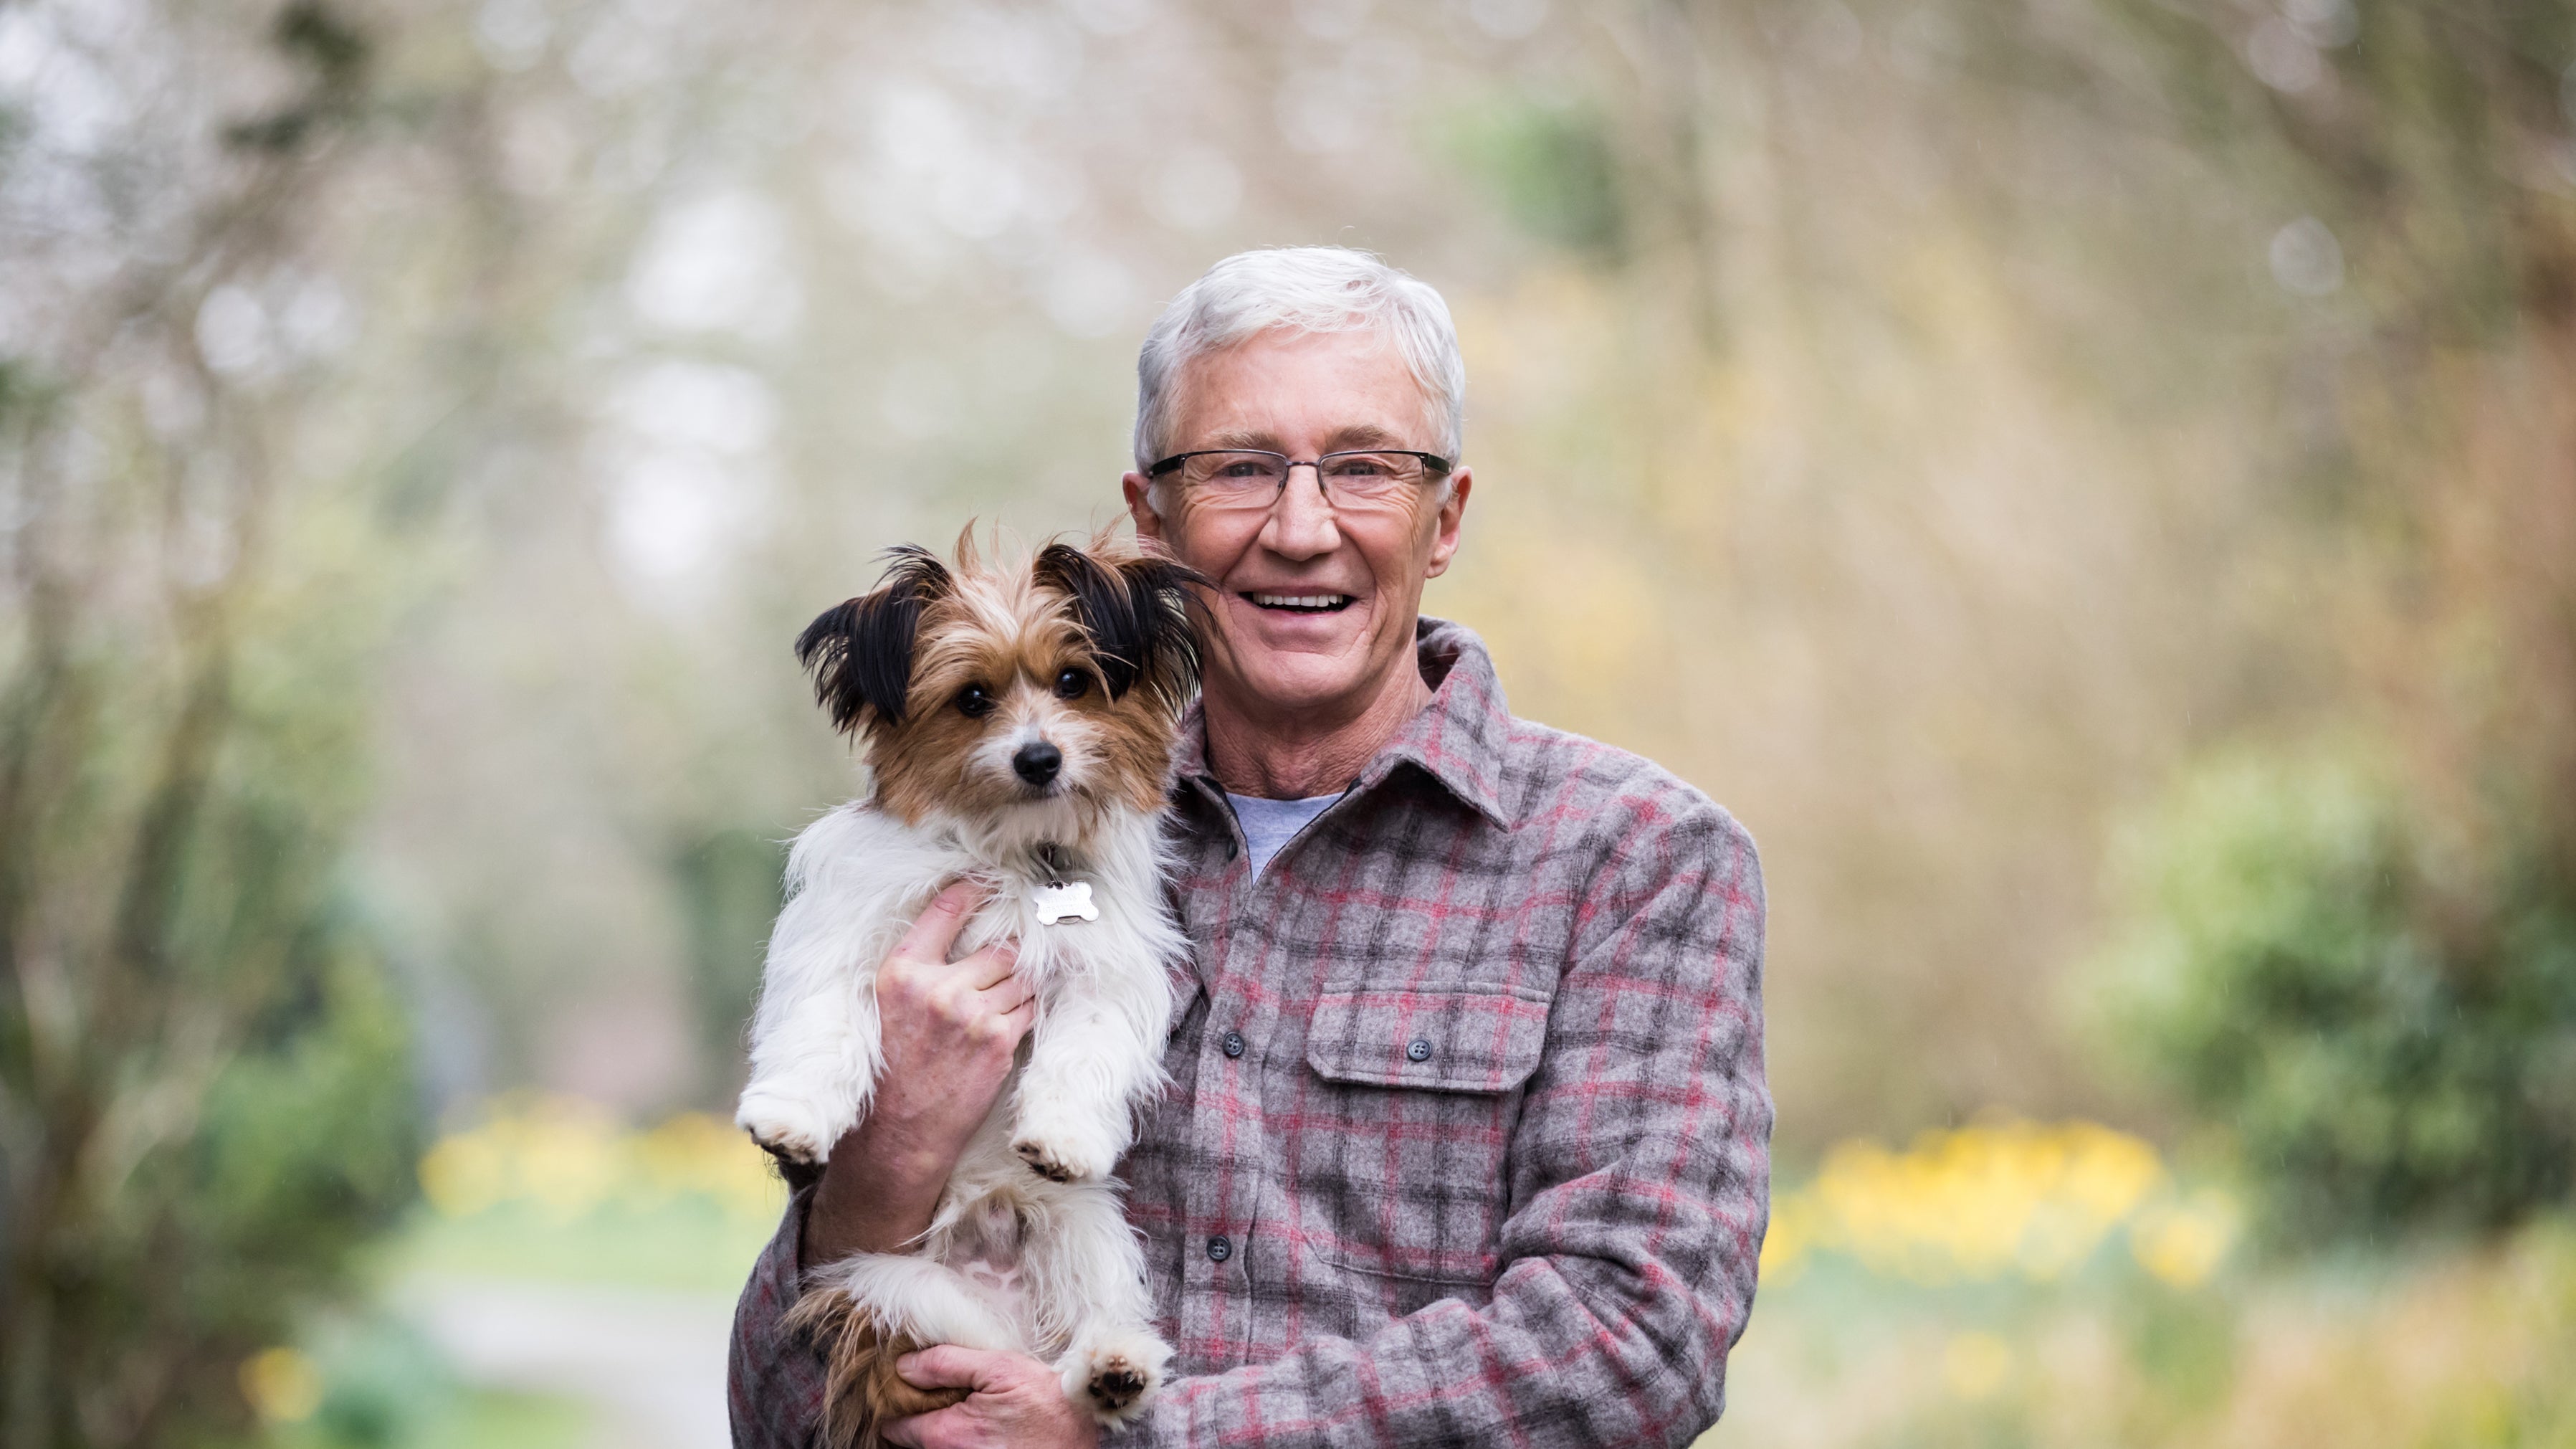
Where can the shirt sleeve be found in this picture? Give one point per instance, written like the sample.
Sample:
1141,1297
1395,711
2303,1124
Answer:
1639,1194
774,1381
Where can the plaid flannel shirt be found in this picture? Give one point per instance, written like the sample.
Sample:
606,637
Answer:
1468,1137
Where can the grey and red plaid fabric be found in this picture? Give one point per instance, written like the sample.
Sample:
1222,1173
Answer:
1468,1138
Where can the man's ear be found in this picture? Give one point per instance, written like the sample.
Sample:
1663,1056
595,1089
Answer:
860,652
1139,491
1137,612
1444,527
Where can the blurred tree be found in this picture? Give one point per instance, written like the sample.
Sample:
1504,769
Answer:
2296,976
205,1098
2368,976
2435,378
730,887
2070,387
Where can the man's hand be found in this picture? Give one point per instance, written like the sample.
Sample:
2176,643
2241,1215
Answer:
950,1029
1015,1401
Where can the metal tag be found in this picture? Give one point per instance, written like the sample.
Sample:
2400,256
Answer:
1070,901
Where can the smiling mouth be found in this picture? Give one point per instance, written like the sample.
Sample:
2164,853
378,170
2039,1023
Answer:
1302,603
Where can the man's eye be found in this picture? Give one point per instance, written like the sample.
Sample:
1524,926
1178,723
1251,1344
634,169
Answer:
1072,684
1241,470
973,702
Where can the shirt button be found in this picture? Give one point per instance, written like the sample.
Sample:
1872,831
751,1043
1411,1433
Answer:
1233,1044
1219,1249
1418,1049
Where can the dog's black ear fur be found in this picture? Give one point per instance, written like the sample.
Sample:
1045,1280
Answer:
1138,615
860,652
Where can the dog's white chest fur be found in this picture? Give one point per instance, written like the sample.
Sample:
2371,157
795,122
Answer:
1094,941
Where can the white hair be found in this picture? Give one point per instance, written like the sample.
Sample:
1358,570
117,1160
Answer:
1301,289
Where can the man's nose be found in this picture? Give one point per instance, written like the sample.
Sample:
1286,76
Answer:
1037,762
1301,521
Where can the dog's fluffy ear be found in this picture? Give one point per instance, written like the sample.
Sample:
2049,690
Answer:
860,652
1137,612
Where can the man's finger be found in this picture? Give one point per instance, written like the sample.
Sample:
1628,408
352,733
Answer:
945,1366
936,928
993,965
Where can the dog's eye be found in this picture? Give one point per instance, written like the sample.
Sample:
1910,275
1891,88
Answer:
1072,684
973,702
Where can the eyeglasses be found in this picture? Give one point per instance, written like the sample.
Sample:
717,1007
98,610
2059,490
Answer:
1251,478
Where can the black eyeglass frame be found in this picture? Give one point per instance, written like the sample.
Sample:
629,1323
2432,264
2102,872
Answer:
1433,465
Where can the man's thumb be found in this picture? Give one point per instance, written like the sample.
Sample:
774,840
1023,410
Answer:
935,929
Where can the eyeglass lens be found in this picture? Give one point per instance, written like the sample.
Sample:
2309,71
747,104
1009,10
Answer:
1255,478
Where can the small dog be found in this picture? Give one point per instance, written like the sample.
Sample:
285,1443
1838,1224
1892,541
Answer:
1018,720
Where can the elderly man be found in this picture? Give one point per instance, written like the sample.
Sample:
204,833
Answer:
1468,1136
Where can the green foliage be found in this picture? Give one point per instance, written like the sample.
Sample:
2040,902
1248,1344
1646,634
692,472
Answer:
382,1384
730,887
2385,1048
229,1166
213,1111
1547,166
307,1148
333,54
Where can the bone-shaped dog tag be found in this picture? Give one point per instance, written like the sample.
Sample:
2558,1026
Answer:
1069,901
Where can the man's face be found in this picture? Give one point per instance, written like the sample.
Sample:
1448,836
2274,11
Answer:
1306,394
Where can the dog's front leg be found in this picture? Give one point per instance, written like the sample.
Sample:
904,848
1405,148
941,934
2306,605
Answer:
815,1044
1089,1066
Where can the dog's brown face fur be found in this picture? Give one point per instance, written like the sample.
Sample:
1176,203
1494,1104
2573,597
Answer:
960,679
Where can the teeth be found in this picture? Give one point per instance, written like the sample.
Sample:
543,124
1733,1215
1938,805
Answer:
1301,601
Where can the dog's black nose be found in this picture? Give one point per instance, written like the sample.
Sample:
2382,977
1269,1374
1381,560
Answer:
1037,762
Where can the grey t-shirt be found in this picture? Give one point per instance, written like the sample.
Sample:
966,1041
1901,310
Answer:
1267,824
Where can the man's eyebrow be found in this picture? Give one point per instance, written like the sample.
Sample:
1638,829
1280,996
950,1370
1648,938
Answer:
1361,435
1243,438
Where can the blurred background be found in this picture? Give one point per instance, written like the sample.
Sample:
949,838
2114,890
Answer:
2090,483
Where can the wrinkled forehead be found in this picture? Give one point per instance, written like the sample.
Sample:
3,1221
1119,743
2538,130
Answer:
1283,390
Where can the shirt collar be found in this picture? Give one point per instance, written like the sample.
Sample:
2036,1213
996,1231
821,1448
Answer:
1457,739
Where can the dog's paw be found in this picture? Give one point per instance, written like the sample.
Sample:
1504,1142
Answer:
1044,1160
1059,1160
1115,1376
787,1126
1116,1386
1062,1148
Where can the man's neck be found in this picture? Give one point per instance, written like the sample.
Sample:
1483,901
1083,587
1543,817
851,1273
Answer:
1276,755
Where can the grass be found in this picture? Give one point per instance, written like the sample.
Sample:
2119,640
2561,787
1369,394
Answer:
509,1421
534,1189
2455,1346
678,1246
373,1384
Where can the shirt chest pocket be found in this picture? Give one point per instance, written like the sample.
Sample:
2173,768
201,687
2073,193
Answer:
1477,1040
1404,1138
